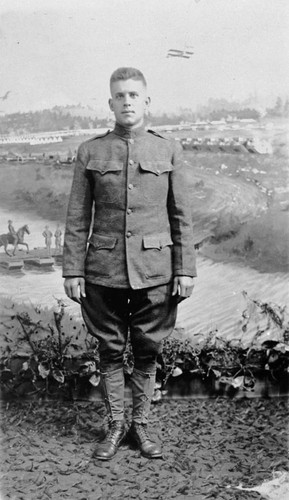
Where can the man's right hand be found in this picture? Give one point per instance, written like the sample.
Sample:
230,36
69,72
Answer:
75,288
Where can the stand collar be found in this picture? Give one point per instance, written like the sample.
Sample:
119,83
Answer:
128,133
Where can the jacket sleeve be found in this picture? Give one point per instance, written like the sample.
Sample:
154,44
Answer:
179,209
78,219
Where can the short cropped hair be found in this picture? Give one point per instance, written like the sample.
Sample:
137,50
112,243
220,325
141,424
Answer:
126,74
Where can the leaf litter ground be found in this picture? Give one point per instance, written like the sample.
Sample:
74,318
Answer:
210,447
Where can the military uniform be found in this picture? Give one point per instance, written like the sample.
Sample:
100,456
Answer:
141,234
128,233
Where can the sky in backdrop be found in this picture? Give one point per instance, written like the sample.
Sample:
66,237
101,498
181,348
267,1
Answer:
62,52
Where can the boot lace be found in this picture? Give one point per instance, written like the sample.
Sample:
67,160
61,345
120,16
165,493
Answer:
142,432
113,431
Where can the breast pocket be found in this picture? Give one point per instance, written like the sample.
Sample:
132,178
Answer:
154,180
107,175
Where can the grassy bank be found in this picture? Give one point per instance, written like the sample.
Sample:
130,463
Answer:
37,188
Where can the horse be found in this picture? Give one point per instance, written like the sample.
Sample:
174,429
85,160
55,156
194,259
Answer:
14,239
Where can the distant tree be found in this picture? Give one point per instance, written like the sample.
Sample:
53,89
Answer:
286,109
248,113
279,109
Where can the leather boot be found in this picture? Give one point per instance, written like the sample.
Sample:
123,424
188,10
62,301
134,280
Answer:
109,446
113,388
147,446
143,385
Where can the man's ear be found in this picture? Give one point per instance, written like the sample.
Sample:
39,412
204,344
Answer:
110,103
147,105
147,101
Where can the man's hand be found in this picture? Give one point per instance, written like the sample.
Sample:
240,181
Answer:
183,286
75,288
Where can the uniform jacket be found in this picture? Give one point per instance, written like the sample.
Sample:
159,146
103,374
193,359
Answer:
129,219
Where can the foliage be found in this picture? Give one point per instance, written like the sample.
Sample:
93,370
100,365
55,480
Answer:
210,447
47,120
49,341
233,363
280,109
62,359
83,117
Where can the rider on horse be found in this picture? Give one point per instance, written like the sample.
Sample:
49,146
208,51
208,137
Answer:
12,231
14,238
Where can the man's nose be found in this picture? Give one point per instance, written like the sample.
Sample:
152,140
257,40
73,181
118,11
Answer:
127,100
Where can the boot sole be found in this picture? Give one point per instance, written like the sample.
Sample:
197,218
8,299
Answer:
159,455
104,459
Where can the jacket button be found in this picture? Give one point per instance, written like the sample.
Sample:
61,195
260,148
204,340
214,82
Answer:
131,162
158,172
129,211
131,141
130,186
128,234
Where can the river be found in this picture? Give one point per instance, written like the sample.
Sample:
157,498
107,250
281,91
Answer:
217,301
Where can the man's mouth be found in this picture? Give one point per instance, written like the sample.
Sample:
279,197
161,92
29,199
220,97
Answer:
127,112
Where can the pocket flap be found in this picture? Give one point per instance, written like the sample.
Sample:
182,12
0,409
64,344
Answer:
104,166
156,167
157,241
101,241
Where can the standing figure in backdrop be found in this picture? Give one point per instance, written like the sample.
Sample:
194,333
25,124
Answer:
57,236
129,255
48,239
12,232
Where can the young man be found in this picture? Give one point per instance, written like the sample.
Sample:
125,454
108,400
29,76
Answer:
130,263
57,237
47,234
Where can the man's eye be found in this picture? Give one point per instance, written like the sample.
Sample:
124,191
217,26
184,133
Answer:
119,96
133,95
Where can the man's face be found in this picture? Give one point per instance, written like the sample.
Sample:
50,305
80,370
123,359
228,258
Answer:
129,102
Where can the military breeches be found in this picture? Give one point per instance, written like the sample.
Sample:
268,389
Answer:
148,316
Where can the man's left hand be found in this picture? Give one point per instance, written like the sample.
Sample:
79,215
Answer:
183,286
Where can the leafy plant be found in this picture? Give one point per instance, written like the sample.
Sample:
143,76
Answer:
49,340
61,358
233,363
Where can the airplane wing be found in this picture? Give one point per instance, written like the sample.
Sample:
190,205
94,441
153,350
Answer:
175,51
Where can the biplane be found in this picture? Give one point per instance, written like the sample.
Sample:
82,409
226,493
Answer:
186,53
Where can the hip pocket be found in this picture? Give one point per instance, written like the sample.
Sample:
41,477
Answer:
100,255
157,255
